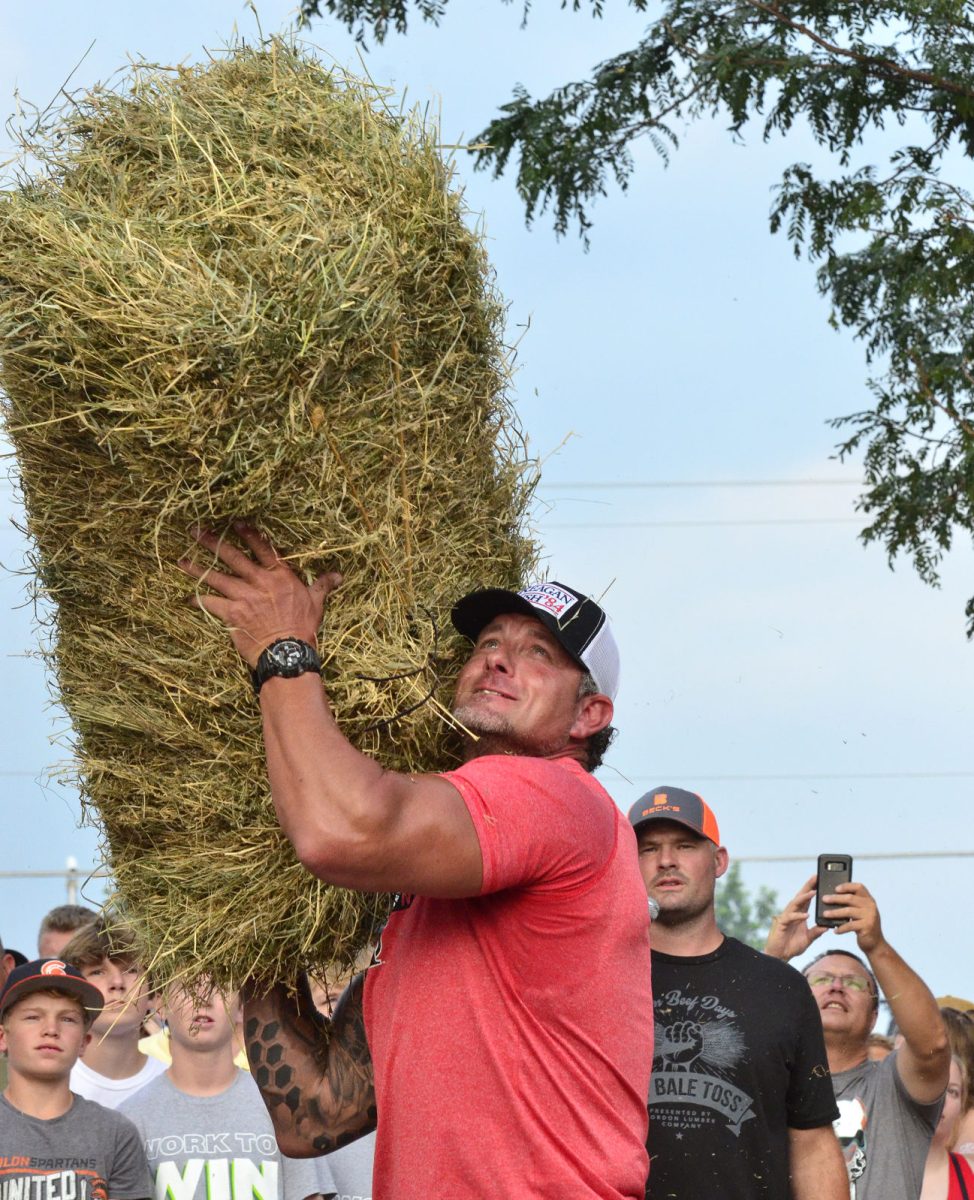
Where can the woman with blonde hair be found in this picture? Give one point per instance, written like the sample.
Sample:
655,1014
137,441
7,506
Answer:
960,1030
949,1174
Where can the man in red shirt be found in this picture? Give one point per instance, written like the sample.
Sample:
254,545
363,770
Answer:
500,1039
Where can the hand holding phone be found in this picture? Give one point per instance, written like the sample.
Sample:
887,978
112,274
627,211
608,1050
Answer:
833,869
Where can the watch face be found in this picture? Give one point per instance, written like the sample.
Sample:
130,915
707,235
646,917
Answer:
287,654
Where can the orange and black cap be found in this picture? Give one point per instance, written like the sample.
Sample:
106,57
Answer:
675,804
50,975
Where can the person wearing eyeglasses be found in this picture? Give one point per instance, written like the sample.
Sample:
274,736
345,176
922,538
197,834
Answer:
888,1110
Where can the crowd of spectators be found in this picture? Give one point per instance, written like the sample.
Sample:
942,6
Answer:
152,1091
501,1035
764,1083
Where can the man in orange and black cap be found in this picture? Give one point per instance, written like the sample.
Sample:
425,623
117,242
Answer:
740,1101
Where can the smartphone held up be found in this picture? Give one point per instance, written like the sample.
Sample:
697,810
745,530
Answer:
833,869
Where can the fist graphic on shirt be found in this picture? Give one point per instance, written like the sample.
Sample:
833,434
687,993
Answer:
682,1043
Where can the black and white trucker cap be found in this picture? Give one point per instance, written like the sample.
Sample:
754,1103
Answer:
579,624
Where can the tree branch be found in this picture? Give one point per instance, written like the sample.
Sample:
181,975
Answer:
945,406
887,64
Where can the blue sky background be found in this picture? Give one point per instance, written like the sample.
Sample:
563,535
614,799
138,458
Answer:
819,701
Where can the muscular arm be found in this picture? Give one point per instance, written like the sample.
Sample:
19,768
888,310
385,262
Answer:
350,821
816,1165
315,1075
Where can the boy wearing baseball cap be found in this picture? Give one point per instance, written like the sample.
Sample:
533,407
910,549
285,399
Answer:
52,1142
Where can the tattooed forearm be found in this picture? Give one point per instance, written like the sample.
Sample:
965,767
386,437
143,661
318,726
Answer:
315,1075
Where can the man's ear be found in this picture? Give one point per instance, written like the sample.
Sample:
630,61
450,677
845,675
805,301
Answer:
85,1044
592,714
149,999
721,861
3,1041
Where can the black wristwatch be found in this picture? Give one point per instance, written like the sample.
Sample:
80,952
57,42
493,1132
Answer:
287,657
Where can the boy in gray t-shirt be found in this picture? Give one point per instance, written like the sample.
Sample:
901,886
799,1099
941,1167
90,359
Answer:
206,1132
54,1144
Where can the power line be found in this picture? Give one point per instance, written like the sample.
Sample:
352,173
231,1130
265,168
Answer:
618,484
94,873
871,856
685,775
694,524
659,484
845,775
35,774
703,524
875,857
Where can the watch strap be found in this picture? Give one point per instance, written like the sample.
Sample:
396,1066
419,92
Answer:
268,665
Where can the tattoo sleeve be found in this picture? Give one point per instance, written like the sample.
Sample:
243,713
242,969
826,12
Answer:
315,1075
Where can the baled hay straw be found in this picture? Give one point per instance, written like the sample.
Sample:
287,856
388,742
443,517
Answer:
245,289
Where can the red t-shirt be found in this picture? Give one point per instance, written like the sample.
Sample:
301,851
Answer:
511,1033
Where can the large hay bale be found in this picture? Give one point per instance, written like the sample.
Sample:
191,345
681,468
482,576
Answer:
246,289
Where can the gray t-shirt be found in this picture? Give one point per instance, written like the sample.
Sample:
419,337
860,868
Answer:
346,1173
89,1153
215,1147
885,1134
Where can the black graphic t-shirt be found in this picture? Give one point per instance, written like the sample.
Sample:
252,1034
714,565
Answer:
739,1060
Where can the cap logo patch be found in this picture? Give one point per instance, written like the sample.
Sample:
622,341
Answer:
555,600
660,799
54,967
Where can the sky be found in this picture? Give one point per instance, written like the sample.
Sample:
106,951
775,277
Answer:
677,380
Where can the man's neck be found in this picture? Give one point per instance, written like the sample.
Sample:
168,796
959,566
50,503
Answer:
45,1099
844,1053
486,744
690,939
115,1057
206,1073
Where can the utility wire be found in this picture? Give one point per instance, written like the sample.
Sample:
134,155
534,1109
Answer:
701,524
614,485
844,775
872,856
656,484
695,524
788,778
